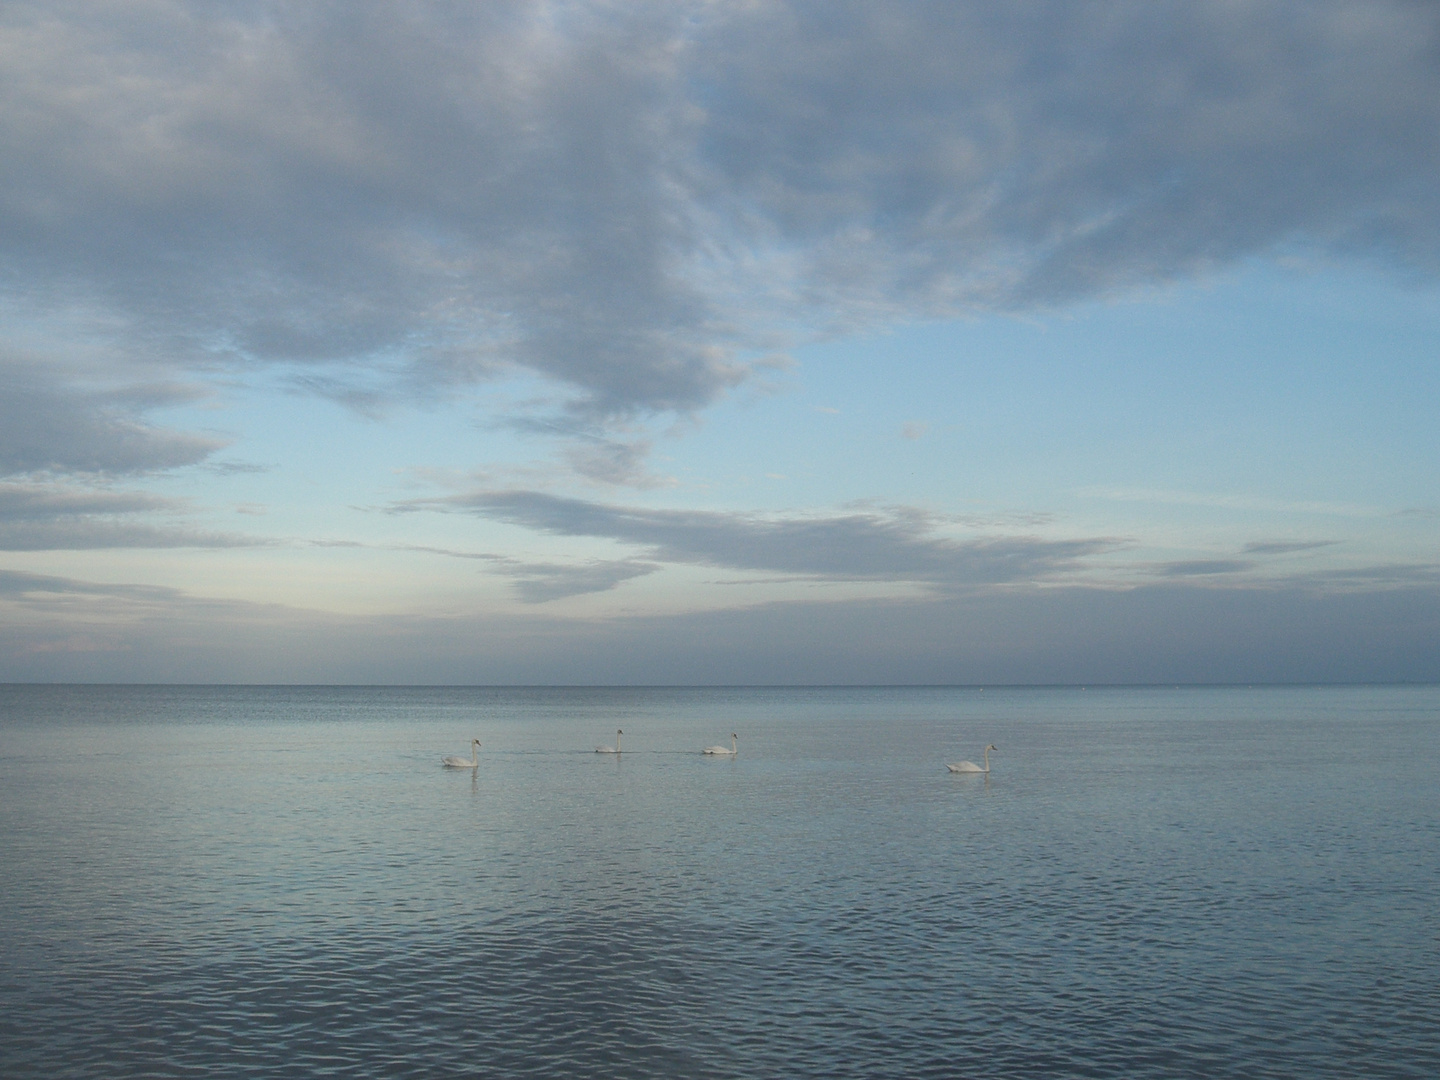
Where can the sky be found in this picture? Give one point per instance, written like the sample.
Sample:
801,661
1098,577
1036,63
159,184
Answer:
720,343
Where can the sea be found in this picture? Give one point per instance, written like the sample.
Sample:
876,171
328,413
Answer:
244,881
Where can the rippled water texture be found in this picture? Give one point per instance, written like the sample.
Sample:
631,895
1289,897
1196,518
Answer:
285,882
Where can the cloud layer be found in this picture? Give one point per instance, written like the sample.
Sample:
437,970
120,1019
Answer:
55,628
50,425
899,545
894,544
54,517
635,199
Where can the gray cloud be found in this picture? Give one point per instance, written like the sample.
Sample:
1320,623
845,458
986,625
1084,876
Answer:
57,627
16,583
1203,567
46,517
234,468
1033,152
26,502
612,461
535,582
1383,575
632,199
894,546
62,629
49,426
89,534
1285,547
539,583
463,186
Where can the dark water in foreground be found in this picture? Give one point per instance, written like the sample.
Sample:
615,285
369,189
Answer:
284,882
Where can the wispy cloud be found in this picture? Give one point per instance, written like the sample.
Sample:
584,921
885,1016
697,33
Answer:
235,468
895,545
616,462
48,424
542,582
15,583
46,517
1285,547
1203,567
34,502
538,583
535,582
1222,501
1373,576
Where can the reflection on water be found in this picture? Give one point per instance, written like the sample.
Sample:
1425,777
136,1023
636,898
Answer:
285,882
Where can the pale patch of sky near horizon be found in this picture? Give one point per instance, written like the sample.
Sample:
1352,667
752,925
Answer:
1264,405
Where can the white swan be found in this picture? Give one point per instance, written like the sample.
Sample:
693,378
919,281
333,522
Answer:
728,751
465,763
970,766
611,749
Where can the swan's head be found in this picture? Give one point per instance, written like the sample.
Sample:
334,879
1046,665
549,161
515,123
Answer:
618,732
733,735
992,746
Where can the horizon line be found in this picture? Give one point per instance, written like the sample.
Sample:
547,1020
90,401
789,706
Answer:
1251,685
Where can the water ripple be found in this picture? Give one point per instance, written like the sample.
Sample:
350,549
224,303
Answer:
800,911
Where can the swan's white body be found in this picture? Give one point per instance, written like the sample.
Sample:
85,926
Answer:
727,751
465,763
970,766
611,749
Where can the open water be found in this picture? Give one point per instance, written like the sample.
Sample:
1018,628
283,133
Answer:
277,882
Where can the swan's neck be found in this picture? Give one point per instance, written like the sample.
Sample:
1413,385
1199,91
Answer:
987,760
617,740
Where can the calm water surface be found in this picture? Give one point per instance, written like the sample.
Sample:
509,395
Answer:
1151,883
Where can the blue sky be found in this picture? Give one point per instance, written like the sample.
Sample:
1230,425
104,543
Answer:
687,343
